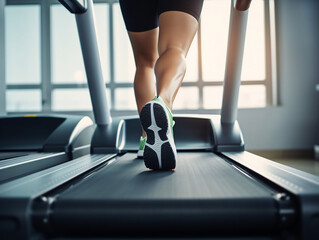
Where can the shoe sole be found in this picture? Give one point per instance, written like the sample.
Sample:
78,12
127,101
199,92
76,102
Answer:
160,150
140,153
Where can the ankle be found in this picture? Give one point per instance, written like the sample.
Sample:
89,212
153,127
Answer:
167,101
143,133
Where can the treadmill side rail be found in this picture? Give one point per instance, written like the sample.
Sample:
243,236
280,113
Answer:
50,140
21,166
16,196
303,185
39,183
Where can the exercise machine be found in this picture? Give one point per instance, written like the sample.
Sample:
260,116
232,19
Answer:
32,143
218,190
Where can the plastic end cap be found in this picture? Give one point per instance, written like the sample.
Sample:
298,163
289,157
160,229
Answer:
242,5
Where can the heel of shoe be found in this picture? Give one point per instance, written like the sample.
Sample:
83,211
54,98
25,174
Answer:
160,151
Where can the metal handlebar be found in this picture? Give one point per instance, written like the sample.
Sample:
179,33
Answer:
242,5
234,60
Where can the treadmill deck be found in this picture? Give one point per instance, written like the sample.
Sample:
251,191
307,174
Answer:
197,176
205,195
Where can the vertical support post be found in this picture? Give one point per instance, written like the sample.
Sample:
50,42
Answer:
92,61
235,52
2,61
45,57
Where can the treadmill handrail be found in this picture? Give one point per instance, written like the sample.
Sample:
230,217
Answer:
92,61
235,53
242,5
75,6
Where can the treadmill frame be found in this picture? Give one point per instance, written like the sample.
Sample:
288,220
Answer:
24,206
69,139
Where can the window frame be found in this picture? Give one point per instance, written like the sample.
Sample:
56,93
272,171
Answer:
46,86
2,61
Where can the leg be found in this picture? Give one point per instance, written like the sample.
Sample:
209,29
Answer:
176,33
144,46
143,34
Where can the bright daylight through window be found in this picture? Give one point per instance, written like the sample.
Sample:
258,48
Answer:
65,80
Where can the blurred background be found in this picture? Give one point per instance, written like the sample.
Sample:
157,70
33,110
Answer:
42,71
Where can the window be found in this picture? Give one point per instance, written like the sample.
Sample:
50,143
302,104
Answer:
21,100
45,70
214,35
22,32
22,58
68,79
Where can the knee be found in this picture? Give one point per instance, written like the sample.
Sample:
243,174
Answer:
145,61
173,51
171,57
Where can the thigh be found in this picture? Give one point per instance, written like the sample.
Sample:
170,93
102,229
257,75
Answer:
144,46
139,15
191,7
178,22
176,30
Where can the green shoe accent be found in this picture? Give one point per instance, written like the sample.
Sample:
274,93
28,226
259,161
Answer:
142,143
161,101
140,152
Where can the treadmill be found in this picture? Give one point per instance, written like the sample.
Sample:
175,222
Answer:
218,190
32,143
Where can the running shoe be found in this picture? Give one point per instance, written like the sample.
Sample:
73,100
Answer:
157,121
140,152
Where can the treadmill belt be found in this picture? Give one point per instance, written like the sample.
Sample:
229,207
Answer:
8,155
197,176
204,195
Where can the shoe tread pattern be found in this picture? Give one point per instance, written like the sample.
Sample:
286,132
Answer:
161,121
158,152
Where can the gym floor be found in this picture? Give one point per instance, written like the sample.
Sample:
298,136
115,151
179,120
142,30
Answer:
302,160
309,165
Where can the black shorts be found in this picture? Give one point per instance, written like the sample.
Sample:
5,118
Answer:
142,15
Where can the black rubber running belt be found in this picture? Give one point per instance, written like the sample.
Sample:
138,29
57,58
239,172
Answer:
8,155
203,196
